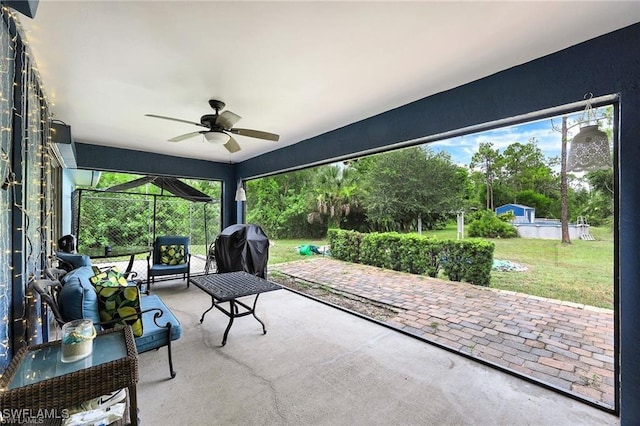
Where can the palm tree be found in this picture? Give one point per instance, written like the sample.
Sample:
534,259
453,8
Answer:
336,192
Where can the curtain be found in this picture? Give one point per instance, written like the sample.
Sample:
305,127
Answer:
7,75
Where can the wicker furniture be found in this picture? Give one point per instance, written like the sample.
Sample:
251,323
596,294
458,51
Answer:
36,379
230,286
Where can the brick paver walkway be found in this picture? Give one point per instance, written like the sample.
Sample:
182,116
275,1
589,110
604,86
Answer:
561,343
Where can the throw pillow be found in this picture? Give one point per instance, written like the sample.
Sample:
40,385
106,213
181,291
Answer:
108,277
120,305
172,254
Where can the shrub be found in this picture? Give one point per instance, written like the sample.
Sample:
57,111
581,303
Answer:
406,253
467,260
420,255
490,226
345,245
507,217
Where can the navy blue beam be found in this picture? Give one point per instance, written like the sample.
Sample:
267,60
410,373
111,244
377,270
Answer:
105,158
629,253
602,66
26,7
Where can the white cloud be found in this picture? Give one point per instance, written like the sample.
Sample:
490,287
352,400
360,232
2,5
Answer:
462,148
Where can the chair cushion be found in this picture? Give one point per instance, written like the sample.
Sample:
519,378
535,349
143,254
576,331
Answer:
120,303
78,298
154,336
172,254
168,269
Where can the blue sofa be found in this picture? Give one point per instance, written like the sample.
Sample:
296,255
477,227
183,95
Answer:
77,298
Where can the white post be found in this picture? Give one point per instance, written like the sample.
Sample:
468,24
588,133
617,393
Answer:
461,225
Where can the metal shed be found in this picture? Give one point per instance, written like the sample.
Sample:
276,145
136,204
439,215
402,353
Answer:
523,214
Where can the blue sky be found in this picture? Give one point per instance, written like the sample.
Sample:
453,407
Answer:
462,148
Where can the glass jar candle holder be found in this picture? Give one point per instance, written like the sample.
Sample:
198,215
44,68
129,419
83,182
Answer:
77,340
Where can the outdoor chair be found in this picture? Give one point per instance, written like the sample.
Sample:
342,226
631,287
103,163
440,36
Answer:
210,265
170,256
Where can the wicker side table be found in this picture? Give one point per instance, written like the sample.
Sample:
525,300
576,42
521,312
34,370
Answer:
37,383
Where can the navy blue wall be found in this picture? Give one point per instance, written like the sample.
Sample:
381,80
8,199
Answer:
603,66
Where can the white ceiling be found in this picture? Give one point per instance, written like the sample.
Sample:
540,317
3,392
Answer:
295,68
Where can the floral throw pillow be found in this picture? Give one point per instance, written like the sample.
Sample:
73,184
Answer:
120,305
172,254
108,277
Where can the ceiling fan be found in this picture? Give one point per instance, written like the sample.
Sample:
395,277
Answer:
218,126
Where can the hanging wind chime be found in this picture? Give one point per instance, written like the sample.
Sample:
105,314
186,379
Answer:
590,147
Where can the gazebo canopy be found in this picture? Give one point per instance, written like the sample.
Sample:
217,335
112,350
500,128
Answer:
170,184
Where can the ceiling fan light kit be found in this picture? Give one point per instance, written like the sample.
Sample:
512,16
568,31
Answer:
217,126
216,137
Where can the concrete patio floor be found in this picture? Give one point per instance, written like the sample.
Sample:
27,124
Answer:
567,345
319,365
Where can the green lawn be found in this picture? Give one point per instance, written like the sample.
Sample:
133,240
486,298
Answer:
285,250
581,272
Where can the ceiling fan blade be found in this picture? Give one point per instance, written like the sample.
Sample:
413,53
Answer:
227,119
256,134
232,146
183,137
175,119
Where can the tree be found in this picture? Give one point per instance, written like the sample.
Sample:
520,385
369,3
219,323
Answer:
489,162
597,206
280,205
413,185
336,192
525,168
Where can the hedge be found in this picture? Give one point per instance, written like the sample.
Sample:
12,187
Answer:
465,260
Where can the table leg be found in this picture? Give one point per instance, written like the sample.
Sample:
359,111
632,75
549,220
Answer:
253,311
233,310
213,303
133,405
130,265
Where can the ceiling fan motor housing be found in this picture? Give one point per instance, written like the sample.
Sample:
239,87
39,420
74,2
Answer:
216,105
209,120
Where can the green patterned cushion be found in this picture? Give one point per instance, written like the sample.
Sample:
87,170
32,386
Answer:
120,303
172,254
108,277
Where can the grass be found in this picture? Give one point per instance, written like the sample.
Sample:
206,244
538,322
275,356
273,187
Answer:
581,272
285,250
